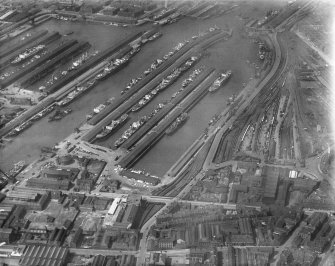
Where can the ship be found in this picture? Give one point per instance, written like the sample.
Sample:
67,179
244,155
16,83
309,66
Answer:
112,126
20,128
112,67
131,130
68,33
59,114
72,95
43,113
155,36
27,54
177,123
131,84
18,167
99,108
75,64
134,51
221,80
146,99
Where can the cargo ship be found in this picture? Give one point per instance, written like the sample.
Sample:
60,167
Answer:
131,130
131,84
20,128
18,167
146,99
155,36
112,126
43,113
187,81
59,114
221,80
99,108
113,66
73,95
177,123
28,53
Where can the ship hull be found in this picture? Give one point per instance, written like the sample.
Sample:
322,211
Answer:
112,130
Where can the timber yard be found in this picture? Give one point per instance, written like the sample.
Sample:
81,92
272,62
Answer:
165,132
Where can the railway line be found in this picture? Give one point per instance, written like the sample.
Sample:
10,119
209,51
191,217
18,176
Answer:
174,188
248,107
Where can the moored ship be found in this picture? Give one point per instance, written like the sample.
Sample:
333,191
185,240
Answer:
59,114
43,113
113,66
220,81
142,102
177,123
73,95
112,126
130,131
20,128
99,108
27,54
18,167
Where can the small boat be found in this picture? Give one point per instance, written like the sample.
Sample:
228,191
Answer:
68,33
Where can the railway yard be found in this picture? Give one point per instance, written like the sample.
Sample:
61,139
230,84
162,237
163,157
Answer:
183,133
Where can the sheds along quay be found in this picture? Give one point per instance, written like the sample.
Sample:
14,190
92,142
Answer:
126,101
150,139
60,83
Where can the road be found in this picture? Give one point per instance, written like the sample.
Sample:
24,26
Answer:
287,244
105,252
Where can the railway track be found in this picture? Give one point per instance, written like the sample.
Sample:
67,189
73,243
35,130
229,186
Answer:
264,98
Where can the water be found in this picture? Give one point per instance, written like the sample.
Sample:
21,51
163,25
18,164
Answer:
230,54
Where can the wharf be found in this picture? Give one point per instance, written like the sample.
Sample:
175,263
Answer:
146,80
154,135
38,62
165,110
91,73
5,52
50,37
22,22
185,158
124,104
138,176
92,62
45,69
67,87
26,115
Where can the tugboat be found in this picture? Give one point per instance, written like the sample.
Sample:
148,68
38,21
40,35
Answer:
221,80
177,123
112,126
69,33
